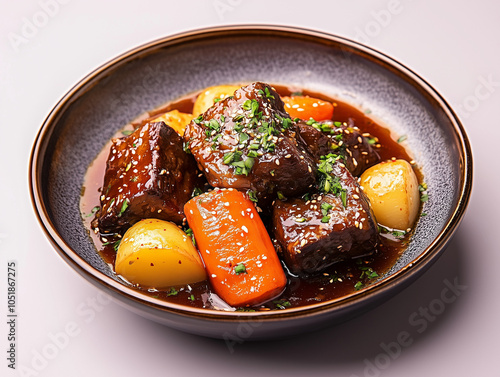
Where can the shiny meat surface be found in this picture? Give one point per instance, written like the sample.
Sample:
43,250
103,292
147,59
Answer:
147,175
340,138
249,142
316,232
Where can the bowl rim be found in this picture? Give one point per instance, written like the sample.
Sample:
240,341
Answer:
402,277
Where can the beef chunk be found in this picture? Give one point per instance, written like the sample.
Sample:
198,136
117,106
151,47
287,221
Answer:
319,231
340,138
147,175
249,142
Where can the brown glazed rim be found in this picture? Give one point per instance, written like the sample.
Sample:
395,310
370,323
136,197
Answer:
402,277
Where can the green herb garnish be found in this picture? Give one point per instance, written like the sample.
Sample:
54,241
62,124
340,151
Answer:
93,211
173,292
281,196
282,304
252,196
329,183
124,207
240,269
402,138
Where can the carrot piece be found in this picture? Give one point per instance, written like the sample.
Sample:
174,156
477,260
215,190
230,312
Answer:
305,107
242,264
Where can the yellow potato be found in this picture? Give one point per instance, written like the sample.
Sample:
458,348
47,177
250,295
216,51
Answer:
175,119
157,254
392,188
206,99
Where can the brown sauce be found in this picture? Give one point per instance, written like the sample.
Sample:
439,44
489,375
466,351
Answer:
337,281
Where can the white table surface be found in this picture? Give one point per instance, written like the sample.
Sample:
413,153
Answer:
46,46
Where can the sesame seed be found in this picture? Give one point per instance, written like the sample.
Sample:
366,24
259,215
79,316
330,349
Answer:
277,162
244,228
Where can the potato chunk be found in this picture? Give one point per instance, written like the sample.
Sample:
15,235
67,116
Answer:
392,188
157,254
175,119
206,99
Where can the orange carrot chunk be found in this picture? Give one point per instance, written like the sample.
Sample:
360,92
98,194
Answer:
305,107
242,264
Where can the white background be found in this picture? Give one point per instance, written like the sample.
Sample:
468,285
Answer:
452,44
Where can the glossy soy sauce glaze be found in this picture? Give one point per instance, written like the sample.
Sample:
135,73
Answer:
337,281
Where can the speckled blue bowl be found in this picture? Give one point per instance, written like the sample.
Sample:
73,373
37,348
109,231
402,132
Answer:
147,76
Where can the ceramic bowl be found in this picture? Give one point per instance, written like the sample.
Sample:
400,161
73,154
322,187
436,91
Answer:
147,76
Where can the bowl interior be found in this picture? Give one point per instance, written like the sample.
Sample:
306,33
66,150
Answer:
142,79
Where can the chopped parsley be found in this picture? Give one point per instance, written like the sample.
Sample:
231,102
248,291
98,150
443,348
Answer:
424,197
241,309
325,208
367,272
115,244
402,138
198,119
124,207
399,234
197,191
93,211
282,304
252,196
251,105
267,93
329,183
231,157
189,233
240,269
173,292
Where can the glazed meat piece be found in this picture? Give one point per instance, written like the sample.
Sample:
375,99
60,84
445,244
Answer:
147,175
323,229
340,138
248,142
